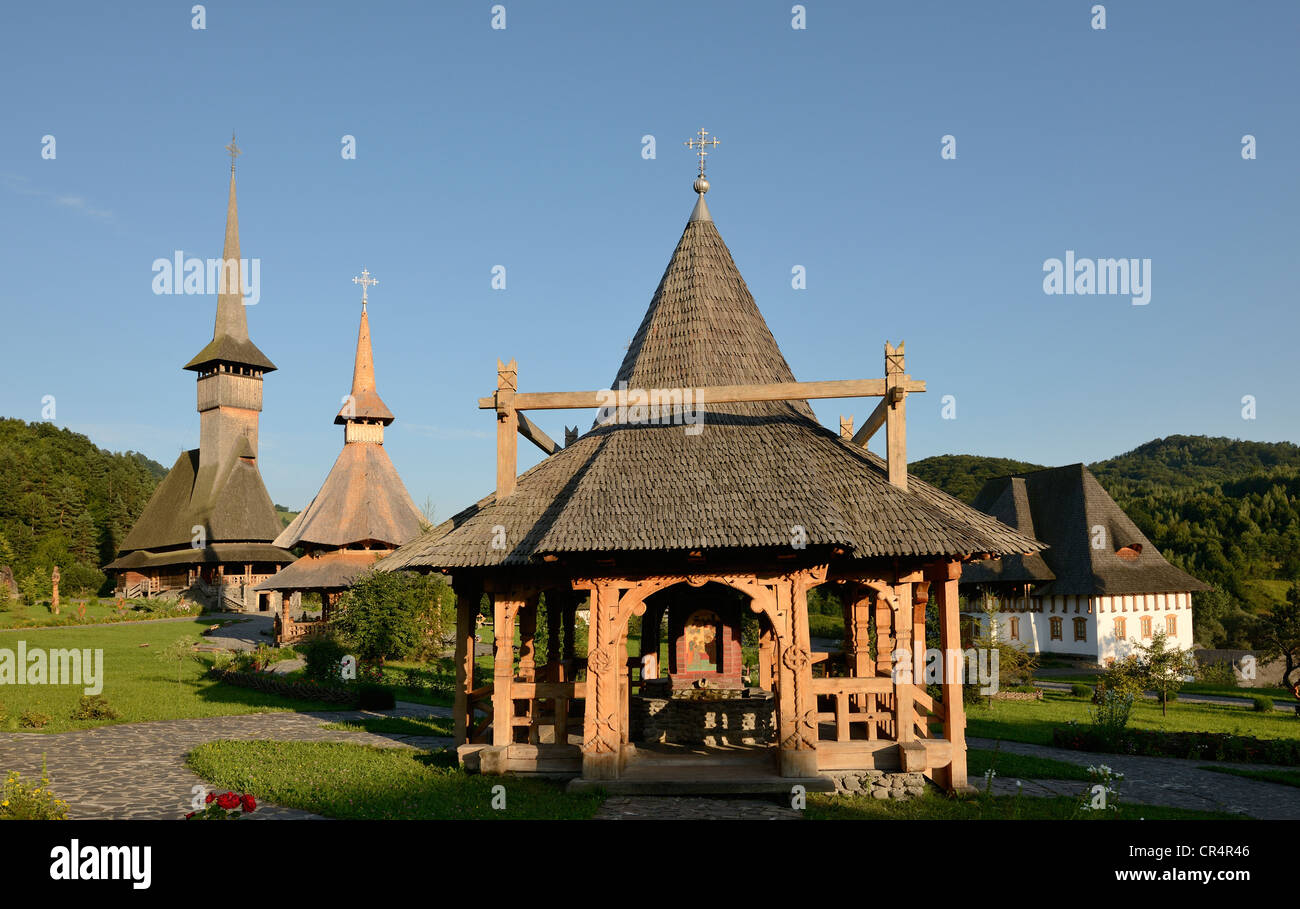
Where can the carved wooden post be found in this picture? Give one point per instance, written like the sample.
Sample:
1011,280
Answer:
846,427
904,701
796,713
600,731
944,580
467,601
896,415
505,607
885,636
528,640
766,660
507,428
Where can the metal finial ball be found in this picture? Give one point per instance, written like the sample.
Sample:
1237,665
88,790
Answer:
701,185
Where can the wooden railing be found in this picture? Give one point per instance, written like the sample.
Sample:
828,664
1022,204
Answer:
479,730
868,703
547,705
928,712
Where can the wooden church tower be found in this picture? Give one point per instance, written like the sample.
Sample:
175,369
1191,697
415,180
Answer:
210,525
362,512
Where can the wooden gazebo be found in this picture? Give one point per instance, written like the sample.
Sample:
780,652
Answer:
707,466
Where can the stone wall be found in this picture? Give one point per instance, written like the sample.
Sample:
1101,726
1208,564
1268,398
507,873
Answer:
877,783
704,721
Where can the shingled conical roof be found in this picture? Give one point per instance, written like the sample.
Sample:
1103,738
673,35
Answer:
230,342
364,402
754,476
1086,532
363,500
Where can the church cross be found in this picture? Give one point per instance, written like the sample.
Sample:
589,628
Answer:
234,151
366,282
701,143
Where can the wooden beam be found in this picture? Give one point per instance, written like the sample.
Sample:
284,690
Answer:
873,424
533,433
896,416
714,394
507,428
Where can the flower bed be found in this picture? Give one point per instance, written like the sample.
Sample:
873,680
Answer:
1211,746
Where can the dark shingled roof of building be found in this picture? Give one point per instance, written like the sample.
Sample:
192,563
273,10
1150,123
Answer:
226,499
332,570
756,472
362,499
1063,507
216,553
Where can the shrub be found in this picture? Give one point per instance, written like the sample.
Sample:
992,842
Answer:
1216,674
323,656
1262,704
94,707
375,697
394,615
19,803
1078,690
32,719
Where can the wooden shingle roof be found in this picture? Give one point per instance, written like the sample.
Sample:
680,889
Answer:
757,475
1085,530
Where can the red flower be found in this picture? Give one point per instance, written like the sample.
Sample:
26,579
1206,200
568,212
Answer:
208,800
249,803
228,801
190,815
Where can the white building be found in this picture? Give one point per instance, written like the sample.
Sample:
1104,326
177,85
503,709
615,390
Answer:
1100,586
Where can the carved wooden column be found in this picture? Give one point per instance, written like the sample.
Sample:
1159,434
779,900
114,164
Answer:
467,600
903,668
944,580
766,660
506,606
601,734
885,636
507,428
796,712
857,630
528,640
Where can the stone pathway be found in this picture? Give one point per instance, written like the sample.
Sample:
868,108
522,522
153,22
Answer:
137,770
683,808
1172,782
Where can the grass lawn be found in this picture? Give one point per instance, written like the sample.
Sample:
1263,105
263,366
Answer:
19,615
398,725
136,682
1281,695
1282,777
362,782
1033,721
1019,766
935,807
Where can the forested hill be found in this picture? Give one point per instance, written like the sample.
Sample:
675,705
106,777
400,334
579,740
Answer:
66,502
1225,510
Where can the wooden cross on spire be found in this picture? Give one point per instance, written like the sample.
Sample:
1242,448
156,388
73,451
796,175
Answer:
701,143
234,151
366,283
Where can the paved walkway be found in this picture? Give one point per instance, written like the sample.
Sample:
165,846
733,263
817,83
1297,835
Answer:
1172,782
137,770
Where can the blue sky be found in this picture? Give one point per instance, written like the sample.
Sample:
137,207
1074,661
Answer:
522,147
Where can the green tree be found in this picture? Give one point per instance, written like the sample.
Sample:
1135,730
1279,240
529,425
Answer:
1279,635
393,615
1162,667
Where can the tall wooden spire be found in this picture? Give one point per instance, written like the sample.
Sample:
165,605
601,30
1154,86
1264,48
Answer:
363,406
230,344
